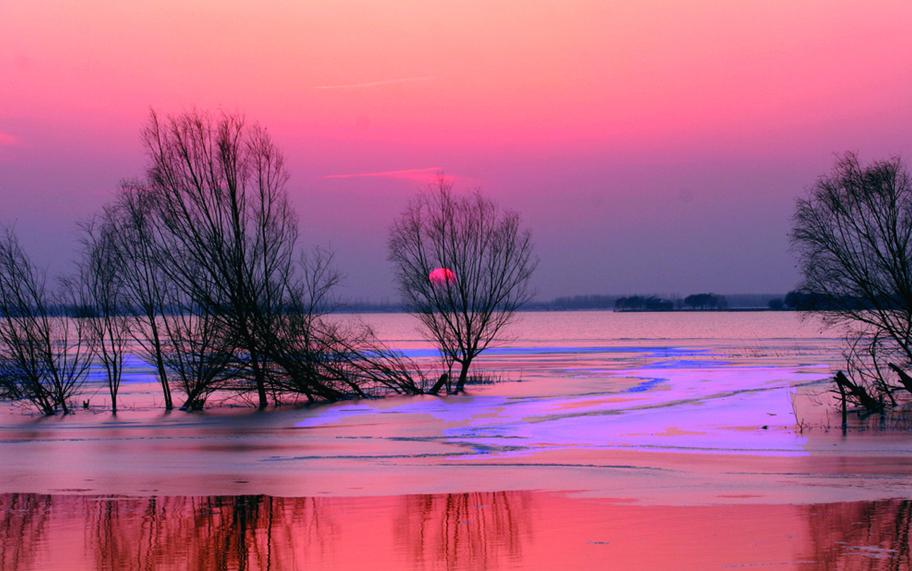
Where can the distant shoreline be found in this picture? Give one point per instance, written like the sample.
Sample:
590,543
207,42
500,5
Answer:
538,308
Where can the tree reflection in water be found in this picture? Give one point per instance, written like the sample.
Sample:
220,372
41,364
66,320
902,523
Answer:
447,531
219,532
23,525
861,535
464,531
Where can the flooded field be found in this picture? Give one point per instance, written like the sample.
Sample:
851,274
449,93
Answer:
661,441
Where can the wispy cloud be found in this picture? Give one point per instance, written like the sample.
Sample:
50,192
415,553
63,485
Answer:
423,175
379,83
420,174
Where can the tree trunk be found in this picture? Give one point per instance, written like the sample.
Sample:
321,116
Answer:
845,410
444,379
260,378
166,390
160,365
463,376
857,392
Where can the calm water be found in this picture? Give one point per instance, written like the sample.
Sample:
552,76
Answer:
483,530
656,441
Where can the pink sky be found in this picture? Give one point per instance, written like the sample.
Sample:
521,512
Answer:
650,146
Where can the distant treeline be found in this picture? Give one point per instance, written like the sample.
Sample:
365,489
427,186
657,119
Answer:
801,300
796,300
640,302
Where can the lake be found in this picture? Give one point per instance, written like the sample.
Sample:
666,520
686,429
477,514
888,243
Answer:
647,440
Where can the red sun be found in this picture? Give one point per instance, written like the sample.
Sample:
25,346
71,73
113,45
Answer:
442,276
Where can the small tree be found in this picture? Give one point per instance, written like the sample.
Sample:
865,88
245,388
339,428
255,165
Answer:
100,288
853,235
45,350
463,267
132,224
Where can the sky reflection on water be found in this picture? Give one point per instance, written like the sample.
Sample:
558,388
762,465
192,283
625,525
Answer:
459,531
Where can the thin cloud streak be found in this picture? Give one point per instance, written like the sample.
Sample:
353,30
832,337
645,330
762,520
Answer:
418,175
379,83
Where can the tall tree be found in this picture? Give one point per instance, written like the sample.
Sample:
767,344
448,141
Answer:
227,230
45,350
100,290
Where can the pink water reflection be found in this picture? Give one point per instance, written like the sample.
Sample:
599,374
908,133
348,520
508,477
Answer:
492,530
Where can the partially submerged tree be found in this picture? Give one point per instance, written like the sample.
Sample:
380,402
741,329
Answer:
197,350
132,221
198,263
463,267
225,240
228,234
853,235
99,288
322,358
45,351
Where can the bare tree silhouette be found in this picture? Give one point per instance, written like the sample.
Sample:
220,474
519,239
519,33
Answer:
197,351
227,229
463,267
853,235
234,301
138,259
100,293
44,356
198,264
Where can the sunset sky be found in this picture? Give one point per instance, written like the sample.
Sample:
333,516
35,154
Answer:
650,146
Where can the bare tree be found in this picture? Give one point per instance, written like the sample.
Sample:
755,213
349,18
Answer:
463,267
853,235
138,259
226,240
197,350
44,354
354,356
227,230
327,359
100,288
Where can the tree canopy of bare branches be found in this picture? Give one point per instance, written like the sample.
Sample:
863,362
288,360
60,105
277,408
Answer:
45,352
227,230
99,289
197,263
463,267
131,220
221,294
853,235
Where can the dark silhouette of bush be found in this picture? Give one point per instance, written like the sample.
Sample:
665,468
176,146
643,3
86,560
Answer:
705,301
643,303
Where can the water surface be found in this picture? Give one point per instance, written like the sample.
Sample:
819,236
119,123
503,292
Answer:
629,438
